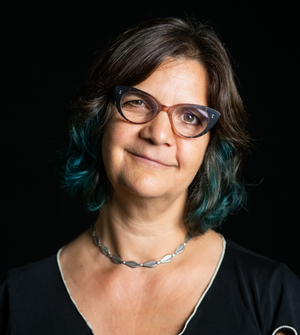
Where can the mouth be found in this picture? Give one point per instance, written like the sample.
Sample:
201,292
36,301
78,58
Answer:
148,160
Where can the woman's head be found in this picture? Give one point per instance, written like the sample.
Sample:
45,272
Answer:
132,58
150,160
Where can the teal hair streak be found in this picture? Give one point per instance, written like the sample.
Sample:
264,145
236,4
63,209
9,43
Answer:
214,193
80,165
222,193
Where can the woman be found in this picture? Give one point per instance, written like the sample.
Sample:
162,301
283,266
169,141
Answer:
157,137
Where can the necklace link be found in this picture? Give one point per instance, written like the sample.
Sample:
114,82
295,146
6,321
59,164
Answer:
149,264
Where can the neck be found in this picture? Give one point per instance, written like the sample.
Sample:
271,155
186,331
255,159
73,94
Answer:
141,231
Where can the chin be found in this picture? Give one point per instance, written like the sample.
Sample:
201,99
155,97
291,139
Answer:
146,187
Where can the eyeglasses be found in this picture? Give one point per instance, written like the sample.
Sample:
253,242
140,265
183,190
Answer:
139,107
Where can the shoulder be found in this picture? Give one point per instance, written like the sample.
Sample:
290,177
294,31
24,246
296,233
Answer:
34,276
31,284
34,300
23,288
34,268
257,269
270,287
241,252
250,261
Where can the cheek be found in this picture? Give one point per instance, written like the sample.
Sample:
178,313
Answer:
117,136
109,154
191,153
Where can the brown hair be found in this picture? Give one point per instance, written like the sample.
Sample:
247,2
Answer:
129,60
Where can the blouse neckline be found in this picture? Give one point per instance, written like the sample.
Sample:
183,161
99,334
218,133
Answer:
195,309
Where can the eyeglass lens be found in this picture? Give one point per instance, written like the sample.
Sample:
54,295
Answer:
139,108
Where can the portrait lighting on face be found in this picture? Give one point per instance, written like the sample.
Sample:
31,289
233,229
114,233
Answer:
188,120
216,189
157,136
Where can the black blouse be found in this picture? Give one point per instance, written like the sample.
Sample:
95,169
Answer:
248,295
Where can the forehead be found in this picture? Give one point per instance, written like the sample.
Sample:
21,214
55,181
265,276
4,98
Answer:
177,81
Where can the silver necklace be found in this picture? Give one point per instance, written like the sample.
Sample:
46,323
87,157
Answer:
150,264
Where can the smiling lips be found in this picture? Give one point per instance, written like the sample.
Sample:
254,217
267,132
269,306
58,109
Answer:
157,161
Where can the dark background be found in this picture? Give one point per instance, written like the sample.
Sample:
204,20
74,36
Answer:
48,47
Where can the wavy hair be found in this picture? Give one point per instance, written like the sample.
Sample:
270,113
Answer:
216,189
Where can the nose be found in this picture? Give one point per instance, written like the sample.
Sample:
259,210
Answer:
159,130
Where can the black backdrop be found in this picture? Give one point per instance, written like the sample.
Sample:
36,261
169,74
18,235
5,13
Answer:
48,47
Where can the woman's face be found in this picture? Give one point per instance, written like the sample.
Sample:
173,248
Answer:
150,160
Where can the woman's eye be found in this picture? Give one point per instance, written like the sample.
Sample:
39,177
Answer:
136,103
190,118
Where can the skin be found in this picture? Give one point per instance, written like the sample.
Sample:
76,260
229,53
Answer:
180,157
144,191
150,168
